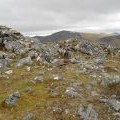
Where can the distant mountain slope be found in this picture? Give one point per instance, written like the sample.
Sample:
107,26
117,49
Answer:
93,36
113,40
62,35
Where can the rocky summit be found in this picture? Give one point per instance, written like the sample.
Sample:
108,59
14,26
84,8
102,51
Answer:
65,77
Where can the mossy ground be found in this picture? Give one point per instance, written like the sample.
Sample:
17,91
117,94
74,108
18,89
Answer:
39,101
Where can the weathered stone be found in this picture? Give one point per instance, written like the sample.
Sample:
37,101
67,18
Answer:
58,62
114,104
33,54
29,116
87,112
12,99
9,72
38,79
4,62
111,80
72,92
57,110
90,48
24,61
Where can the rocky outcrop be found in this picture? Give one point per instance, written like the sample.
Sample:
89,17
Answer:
9,35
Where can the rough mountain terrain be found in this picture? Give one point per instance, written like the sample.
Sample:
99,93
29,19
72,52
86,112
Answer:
68,79
58,36
113,40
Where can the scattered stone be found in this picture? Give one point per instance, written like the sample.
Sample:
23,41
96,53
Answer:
94,93
87,112
38,79
24,61
12,99
72,92
57,77
2,55
111,80
114,104
57,110
28,68
4,62
9,72
58,62
54,92
29,116
33,54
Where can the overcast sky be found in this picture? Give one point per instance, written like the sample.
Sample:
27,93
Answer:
46,16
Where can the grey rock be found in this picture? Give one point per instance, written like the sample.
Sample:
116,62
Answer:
57,110
33,54
114,104
58,62
12,99
90,48
4,62
111,80
94,93
38,79
57,77
29,116
44,58
9,72
2,55
24,61
87,112
72,92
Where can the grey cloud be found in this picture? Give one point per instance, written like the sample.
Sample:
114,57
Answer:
48,15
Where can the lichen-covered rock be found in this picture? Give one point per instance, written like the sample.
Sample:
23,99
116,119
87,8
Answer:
58,62
12,99
29,116
33,54
72,92
38,79
111,80
8,38
4,62
90,48
87,112
24,61
114,104
2,55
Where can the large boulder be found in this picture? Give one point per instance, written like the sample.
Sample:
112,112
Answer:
8,35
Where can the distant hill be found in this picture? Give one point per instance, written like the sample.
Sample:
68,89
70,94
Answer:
107,39
93,36
113,40
62,35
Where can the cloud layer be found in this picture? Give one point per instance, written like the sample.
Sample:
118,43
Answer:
29,16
